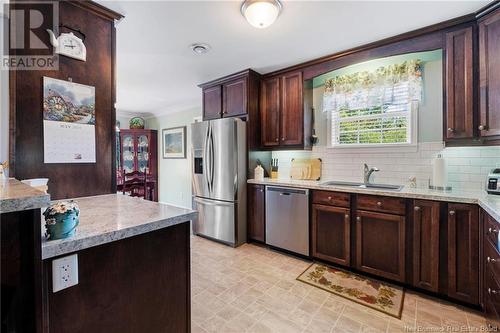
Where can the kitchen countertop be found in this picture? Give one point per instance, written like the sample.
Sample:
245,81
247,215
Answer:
16,196
111,217
490,203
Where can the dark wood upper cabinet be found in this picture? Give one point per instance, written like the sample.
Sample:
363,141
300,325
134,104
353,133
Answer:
459,113
426,244
270,111
463,252
489,75
380,244
256,212
292,113
212,103
235,97
331,234
231,96
285,123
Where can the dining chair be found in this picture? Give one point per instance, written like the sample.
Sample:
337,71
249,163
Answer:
134,184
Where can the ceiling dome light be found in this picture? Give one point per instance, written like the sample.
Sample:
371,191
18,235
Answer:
261,13
200,48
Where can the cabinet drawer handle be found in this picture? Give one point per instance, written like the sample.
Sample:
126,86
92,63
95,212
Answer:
417,208
492,291
450,129
452,212
491,260
379,203
492,231
358,218
329,198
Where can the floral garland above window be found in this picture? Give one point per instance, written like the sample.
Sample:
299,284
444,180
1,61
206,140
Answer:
376,88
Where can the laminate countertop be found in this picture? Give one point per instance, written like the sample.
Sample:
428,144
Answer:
111,217
16,196
489,202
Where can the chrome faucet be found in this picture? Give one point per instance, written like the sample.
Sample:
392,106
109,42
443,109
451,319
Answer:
368,173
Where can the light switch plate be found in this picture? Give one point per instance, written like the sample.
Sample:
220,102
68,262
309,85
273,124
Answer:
64,272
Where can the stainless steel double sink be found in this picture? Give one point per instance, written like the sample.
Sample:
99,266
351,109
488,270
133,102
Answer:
362,185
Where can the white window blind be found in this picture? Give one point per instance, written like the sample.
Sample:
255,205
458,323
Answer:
374,108
387,122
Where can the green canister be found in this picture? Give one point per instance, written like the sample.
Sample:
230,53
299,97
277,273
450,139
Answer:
61,219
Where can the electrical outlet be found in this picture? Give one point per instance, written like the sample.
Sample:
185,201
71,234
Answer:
64,272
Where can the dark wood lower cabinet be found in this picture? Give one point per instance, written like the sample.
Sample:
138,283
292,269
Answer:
20,271
491,268
491,300
426,244
256,212
380,244
331,234
463,252
137,284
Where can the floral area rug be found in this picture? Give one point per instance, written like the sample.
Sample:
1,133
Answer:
375,294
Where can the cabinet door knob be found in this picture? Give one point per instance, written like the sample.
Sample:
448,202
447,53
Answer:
277,140
492,231
452,212
261,190
492,260
329,198
416,208
450,129
492,291
379,203
346,216
482,128
358,218
283,139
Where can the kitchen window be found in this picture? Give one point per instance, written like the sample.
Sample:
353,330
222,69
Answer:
378,108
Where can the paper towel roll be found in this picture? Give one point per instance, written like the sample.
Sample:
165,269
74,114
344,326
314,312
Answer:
439,174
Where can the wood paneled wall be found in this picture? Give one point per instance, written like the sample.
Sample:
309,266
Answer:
26,108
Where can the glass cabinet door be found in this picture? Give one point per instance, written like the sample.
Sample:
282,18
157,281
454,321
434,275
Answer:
143,153
128,153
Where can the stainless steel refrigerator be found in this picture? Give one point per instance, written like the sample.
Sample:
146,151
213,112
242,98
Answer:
219,179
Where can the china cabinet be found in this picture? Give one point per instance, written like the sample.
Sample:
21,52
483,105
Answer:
138,152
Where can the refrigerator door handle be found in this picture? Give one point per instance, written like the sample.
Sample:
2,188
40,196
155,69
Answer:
212,159
206,164
209,202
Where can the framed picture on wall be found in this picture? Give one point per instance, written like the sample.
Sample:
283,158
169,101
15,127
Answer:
174,142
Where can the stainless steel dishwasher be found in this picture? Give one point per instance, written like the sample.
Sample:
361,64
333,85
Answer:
287,218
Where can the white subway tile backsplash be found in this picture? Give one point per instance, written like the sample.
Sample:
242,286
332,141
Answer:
467,166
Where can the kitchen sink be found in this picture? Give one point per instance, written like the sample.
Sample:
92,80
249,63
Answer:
362,185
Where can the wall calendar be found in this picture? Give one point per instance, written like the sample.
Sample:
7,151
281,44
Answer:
68,122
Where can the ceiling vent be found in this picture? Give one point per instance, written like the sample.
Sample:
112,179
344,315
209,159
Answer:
200,48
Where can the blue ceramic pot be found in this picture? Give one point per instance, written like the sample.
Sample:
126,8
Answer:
64,226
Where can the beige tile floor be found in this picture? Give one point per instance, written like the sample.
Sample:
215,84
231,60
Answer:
254,289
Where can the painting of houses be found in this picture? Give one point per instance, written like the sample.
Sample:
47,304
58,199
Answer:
68,102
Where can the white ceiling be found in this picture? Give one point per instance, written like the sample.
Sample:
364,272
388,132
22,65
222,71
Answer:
157,73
